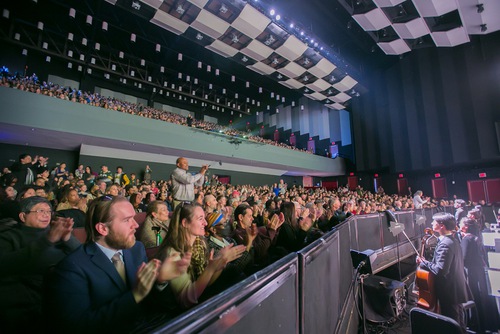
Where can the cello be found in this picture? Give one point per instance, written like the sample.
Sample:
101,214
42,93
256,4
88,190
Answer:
424,279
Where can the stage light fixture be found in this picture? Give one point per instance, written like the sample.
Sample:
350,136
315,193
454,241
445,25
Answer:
136,5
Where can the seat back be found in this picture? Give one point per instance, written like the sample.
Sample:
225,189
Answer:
425,322
140,217
80,234
151,252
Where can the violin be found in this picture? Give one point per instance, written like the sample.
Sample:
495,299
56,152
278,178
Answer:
425,280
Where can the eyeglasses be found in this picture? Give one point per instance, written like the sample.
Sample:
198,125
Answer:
42,212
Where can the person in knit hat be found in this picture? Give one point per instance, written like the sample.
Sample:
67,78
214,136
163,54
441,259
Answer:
218,230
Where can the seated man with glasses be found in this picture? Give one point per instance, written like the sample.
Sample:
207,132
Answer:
28,250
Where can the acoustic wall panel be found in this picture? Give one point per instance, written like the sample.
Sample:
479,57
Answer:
439,189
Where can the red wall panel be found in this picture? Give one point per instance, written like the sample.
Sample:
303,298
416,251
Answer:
476,190
352,182
493,190
403,187
439,189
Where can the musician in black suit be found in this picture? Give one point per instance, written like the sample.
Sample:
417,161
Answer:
448,269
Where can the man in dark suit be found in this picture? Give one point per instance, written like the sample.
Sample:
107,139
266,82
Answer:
28,251
104,285
448,268
24,171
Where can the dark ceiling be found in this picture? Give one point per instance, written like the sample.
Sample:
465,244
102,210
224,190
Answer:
228,84
151,60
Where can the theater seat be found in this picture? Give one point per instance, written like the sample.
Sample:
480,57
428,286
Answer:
140,217
151,252
80,234
427,322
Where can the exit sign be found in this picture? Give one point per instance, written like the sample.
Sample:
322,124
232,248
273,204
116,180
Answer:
482,175
437,175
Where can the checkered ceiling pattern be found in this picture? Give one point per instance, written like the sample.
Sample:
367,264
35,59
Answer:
237,30
398,26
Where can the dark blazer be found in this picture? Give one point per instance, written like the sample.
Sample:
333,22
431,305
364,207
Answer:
85,294
448,267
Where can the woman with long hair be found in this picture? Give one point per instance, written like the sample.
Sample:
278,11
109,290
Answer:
187,228
89,177
136,201
293,232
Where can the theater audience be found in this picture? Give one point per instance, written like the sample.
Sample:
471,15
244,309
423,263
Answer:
104,286
292,234
218,231
186,226
155,226
24,171
136,201
245,228
72,206
28,250
31,84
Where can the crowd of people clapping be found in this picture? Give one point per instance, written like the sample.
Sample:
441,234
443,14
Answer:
202,247
34,85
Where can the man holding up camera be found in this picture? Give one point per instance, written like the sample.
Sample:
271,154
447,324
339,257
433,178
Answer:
183,182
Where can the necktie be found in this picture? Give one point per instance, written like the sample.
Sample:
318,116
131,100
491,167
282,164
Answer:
119,265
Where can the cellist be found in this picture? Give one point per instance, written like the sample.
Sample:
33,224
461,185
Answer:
447,266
